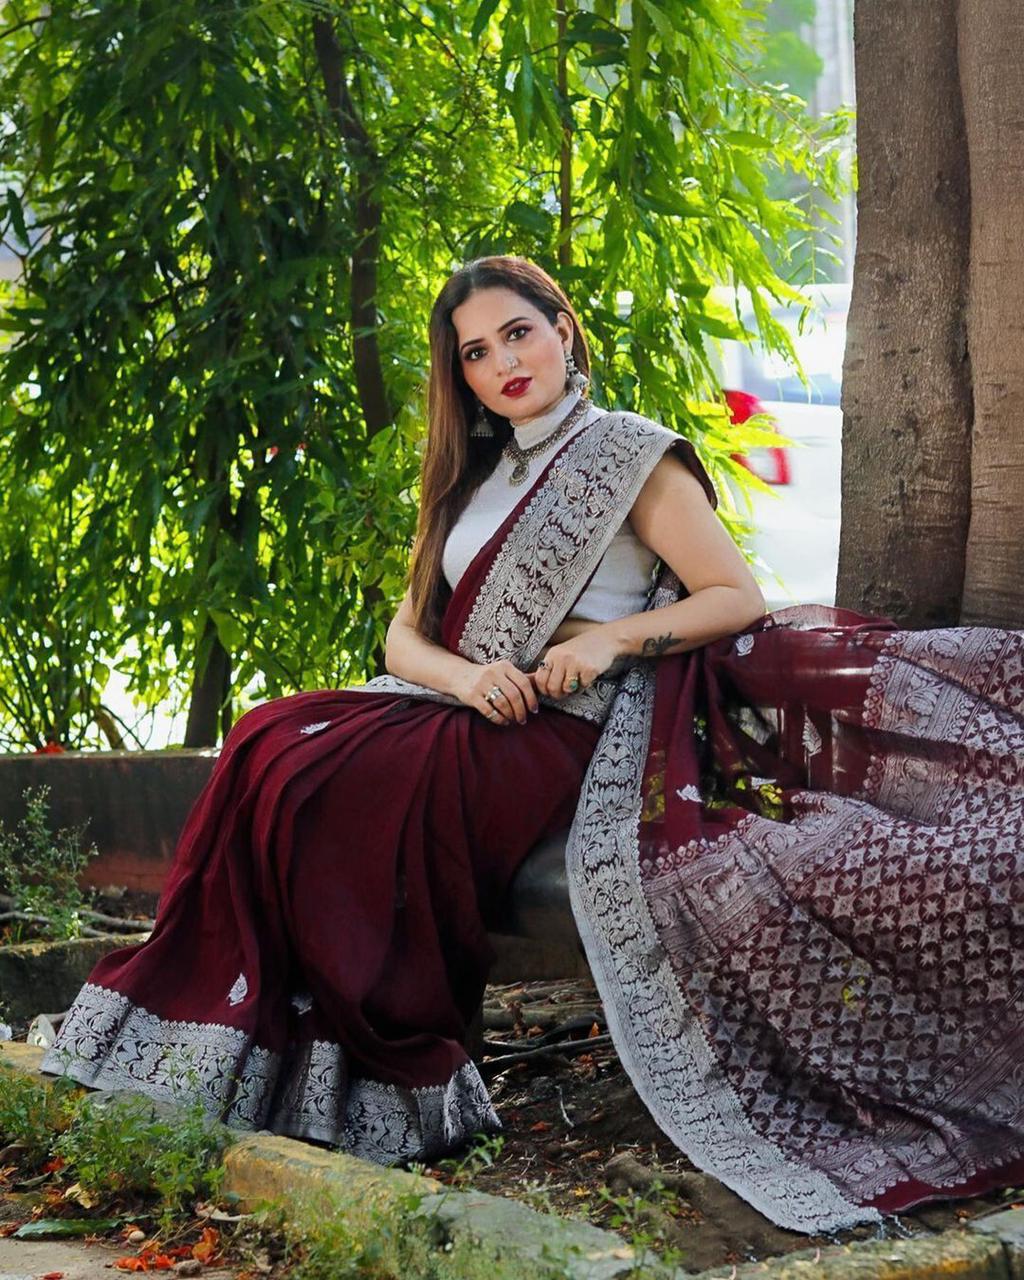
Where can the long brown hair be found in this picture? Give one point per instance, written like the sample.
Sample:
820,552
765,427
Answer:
454,462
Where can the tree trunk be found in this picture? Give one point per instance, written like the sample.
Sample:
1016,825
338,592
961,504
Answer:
906,378
368,171
991,55
209,705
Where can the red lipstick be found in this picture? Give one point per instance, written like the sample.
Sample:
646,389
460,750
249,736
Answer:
515,386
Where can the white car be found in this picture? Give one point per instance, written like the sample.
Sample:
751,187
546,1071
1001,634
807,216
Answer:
796,536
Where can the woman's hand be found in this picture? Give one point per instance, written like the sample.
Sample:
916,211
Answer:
517,692
585,656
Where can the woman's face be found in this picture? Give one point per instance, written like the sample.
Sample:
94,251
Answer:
506,346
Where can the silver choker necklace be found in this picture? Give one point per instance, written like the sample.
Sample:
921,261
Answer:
520,457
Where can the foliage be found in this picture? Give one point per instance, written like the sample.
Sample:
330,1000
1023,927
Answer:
40,869
233,218
107,1147
32,1113
119,1146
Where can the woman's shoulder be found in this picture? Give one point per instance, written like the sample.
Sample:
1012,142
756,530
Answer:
641,442
624,426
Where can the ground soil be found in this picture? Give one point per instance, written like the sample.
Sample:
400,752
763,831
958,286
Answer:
578,1140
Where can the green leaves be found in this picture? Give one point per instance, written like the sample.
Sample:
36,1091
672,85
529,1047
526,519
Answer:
198,201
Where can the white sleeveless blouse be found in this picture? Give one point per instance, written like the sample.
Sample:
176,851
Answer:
622,578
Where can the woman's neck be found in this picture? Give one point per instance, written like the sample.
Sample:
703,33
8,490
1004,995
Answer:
529,430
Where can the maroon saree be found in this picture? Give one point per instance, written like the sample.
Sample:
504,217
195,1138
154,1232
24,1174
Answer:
321,939
795,863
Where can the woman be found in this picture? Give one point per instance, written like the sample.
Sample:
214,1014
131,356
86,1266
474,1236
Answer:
793,849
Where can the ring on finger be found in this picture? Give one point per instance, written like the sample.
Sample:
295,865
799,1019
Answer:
574,684
494,692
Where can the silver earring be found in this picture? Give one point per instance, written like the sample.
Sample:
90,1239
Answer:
574,379
481,423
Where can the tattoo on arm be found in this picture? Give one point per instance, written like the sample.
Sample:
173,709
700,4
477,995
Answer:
655,646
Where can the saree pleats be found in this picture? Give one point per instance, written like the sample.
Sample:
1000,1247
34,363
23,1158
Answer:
321,941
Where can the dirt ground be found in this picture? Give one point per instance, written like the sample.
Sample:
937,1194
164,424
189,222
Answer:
579,1141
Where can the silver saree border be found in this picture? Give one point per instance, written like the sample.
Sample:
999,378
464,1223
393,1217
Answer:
660,1043
109,1042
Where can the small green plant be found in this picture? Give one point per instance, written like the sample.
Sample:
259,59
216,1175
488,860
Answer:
481,1155
124,1145
32,1114
644,1220
40,870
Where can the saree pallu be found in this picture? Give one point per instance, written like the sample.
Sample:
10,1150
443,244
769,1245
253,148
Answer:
795,864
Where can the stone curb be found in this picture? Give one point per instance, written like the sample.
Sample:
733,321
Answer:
956,1254
505,1240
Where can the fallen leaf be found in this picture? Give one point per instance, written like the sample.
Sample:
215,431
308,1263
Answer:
87,1199
590,1155
208,1247
534,1031
52,1275
595,1030
542,1126
63,1227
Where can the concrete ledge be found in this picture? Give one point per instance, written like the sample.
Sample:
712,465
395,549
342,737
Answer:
951,1255
1008,1228
44,977
136,841
136,844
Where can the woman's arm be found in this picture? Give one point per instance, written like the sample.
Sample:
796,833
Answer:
673,517
410,654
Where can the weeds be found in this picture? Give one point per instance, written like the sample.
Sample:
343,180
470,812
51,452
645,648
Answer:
39,873
30,1114
121,1148
107,1149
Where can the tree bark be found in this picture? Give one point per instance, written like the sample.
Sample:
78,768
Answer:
209,706
566,151
991,54
367,171
906,376
367,212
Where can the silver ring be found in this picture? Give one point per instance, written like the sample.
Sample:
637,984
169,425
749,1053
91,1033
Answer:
493,715
493,692
544,663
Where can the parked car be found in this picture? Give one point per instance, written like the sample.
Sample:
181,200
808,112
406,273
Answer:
797,524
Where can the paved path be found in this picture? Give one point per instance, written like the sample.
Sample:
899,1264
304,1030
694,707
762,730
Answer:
30,1259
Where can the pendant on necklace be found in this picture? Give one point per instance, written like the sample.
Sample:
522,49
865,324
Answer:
520,471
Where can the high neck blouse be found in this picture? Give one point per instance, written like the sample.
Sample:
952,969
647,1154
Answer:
529,433
620,583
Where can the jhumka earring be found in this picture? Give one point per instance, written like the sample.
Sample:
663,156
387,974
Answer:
481,423
575,380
